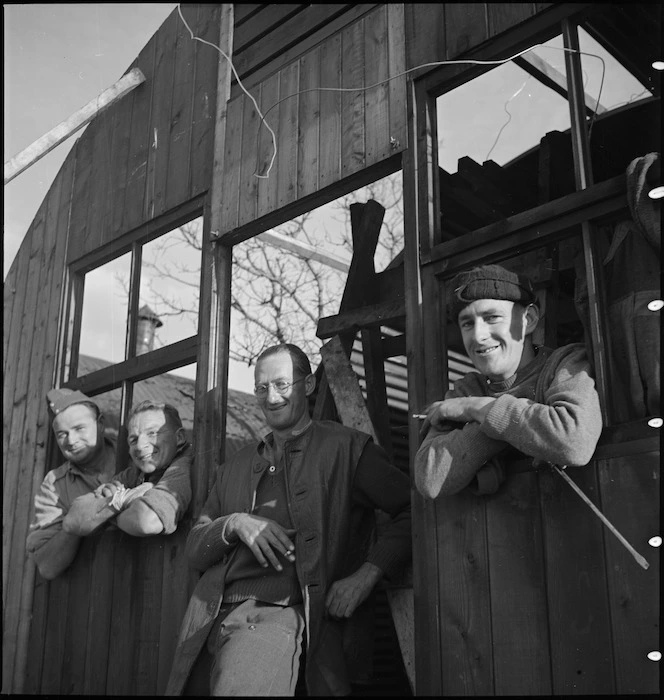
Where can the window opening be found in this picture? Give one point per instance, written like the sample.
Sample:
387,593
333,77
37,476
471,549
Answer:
104,314
285,280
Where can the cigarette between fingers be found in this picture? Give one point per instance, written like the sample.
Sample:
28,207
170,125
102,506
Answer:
419,415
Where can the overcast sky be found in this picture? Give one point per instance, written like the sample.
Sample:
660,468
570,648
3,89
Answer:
58,57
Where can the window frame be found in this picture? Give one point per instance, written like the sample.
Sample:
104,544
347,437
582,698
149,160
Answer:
133,368
519,233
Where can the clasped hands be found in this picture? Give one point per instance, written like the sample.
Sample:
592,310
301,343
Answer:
268,540
462,409
93,509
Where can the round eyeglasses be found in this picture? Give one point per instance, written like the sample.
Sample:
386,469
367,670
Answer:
281,386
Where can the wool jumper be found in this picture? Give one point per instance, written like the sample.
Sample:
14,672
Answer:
549,410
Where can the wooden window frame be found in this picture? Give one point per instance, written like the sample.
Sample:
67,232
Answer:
132,368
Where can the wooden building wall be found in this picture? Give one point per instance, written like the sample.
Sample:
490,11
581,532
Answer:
539,598
99,628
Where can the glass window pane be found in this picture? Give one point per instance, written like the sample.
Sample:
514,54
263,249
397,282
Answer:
104,315
503,142
169,291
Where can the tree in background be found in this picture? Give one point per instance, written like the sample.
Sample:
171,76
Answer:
277,296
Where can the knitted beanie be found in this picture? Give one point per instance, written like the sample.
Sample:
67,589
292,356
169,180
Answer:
488,282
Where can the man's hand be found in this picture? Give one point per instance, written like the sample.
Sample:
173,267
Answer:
264,537
132,494
347,594
463,409
107,489
86,514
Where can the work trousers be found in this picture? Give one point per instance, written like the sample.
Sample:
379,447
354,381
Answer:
256,649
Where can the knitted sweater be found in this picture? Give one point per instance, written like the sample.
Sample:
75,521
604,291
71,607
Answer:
549,411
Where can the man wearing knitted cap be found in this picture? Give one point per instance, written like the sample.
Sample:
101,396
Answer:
78,426
525,401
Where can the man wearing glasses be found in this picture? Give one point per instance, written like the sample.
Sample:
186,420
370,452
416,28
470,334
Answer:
286,547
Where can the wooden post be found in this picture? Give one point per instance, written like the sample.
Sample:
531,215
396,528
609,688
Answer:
214,312
45,144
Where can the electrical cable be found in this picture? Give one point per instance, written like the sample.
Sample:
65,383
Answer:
433,64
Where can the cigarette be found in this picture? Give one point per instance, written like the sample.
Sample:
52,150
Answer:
419,415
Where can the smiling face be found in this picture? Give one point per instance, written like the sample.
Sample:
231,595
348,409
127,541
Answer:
290,411
153,442
79,433
496,335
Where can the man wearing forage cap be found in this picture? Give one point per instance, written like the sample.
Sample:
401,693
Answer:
525,401
78,426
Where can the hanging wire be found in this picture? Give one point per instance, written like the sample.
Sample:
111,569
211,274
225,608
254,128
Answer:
239,82
433,64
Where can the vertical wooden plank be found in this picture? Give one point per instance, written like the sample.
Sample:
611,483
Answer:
101,609
248,192
139,142
287,145
18,290
120,165
426,588
518,589
353,153
174,599
376,100
32,684
232,163
267,186
76,625
19,393
467,658
330,112
160,119
465,26
396,41
205,98
53,642
101,133
120,679
149,585
35,430
504,15
308,122
630,490
182,110
82,183
425,33
581,651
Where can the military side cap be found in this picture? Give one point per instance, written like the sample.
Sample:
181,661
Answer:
59,399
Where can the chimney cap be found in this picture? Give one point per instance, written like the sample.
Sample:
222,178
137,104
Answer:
147,313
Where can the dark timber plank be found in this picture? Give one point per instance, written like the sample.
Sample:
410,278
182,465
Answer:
376,100
330,112
308,162
160,118
580,637
353,145
630,491
182,110
518,594
205,98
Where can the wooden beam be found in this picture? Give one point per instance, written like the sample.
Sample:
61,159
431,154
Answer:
554,79
380,314
305,250
45,144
